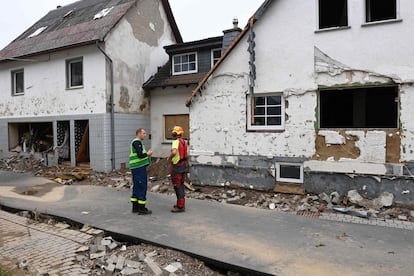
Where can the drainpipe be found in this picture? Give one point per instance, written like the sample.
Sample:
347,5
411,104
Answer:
111,104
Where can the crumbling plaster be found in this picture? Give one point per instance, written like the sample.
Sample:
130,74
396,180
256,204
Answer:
45,86
136,48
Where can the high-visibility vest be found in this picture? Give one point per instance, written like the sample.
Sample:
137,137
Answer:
182,150
134,160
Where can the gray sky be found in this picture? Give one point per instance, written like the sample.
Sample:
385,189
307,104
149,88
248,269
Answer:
196,19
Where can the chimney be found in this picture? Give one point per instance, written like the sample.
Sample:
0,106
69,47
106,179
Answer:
230,35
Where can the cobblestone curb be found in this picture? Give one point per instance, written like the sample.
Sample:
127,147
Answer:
44,248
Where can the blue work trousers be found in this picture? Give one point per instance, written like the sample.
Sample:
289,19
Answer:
139,189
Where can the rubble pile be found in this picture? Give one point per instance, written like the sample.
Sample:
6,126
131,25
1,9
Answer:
159,171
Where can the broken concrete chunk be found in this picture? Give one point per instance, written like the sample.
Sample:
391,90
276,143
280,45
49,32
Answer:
82,249
131,271
386,199
155,269
335,198
120,262
109,269
355,197
133,264
106,241
97,255
173,267
325,197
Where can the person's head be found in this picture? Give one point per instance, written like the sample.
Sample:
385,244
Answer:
177,132
141,133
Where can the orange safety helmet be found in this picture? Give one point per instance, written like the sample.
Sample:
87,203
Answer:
178,130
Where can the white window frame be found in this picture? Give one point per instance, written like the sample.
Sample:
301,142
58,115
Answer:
289,180
396,19
69,62
266,127
14,82
188,71
213,60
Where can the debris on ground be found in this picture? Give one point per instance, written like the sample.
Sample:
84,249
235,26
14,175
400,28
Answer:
353,203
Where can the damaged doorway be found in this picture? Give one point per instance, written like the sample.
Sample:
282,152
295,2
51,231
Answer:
31,137
63,142
82,142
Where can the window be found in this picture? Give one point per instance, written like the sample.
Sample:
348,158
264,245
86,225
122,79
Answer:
333,13
215,56
17,82
184,64
381,10
74,69
181,120
374,107
289,172
266,112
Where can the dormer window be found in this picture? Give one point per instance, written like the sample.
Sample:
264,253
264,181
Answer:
184,64
215,56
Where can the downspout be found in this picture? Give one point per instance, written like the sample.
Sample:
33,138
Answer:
111,105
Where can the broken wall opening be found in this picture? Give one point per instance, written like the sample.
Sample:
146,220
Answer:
372,107
63,141
30,137
82,141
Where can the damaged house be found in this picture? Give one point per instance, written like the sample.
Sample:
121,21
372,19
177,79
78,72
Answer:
188,64
313,96
71,84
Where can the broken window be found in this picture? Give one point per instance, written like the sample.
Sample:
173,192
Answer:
289,172
30,137
17,82
181,120
381,10
215,56
373,107
74,69
184,64
266,112
333,13
103,13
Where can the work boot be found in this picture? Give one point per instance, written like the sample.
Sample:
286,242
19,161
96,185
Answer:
142,210
134,207
177,209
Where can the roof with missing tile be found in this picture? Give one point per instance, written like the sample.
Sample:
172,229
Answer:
80,23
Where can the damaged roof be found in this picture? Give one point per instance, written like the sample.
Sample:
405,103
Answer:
80,23
164,78
255,17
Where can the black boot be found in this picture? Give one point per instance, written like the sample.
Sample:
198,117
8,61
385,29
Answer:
134,207
142,210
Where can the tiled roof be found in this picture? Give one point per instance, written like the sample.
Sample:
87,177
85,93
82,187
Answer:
73,25
163,78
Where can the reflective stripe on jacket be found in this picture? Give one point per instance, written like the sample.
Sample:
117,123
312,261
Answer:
134,160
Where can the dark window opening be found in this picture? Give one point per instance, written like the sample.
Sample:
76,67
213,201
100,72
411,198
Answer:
375,107
333,13
381,10
290,171
82,141
30,137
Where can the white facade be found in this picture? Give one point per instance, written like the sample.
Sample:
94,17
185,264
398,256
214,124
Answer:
133,48
294,59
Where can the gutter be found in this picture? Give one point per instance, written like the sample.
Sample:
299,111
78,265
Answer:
111,105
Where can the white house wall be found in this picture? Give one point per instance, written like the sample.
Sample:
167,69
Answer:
295,59
45,86
136,48
168,101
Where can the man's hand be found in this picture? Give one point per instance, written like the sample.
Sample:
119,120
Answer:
149,153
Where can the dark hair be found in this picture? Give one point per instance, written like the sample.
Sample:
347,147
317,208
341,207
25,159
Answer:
139,130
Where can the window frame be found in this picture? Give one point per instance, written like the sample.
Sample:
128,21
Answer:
338,90
14,82
186,131
184,72
318,16
250,103
69,76
396,19
214,60
289,180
